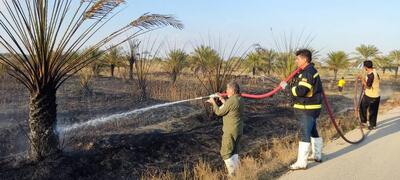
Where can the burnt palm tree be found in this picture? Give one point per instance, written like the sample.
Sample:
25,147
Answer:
42,38
147,52
336,61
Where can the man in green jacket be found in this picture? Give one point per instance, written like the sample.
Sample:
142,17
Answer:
231,110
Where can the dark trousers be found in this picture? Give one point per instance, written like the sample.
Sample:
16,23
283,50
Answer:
308,125
371,105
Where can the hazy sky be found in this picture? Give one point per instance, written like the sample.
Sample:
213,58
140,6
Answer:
335,24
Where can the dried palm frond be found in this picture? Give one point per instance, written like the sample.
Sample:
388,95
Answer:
148,21
102,8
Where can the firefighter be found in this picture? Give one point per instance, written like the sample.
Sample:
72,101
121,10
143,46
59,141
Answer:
341,84
307,94
370,100
232,111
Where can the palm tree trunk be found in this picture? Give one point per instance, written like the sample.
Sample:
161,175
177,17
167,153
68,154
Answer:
42,120
112,70
254,71
143,93
95,70
130,70
173,77
335,74
397,71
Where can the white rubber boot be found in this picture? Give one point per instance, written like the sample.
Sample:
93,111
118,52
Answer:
316,149
301,163
230,166
236,161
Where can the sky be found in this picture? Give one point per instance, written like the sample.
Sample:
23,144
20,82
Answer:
333,25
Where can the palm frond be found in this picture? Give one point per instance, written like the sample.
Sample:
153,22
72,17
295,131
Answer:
151,21
101,8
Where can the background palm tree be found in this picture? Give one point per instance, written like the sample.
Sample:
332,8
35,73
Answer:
255,62
383,62
270,58
42,38
98,64
285,64
366,52
395,56
113,58
132,55
211,69
337,60
175,62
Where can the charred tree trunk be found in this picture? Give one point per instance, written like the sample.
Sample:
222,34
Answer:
42,121
254,71
397,71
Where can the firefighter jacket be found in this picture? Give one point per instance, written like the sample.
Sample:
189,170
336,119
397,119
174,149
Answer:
307,90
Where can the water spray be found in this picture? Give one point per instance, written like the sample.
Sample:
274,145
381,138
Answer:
105,119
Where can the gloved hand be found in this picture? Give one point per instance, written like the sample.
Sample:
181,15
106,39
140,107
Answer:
283,84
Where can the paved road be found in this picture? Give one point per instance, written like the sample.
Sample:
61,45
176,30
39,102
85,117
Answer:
377,157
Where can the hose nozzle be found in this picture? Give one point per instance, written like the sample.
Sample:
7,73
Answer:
213,95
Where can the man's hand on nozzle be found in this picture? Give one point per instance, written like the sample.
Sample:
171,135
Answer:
283,84
215,95
211,100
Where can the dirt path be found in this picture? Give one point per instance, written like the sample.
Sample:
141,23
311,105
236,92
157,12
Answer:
377,157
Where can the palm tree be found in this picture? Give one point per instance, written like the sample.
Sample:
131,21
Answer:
366,52
383,62
132,55
42,37
113,59
270,58
336,61
212,71
395,56
175,62
285,63
254,62
286,46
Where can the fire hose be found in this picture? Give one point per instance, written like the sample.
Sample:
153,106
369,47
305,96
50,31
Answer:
326,105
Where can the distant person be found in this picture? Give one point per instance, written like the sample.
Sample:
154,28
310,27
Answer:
307,94
231,111
371,99
341,84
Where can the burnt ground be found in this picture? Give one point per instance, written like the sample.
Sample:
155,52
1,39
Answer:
167,138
